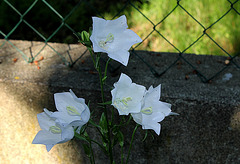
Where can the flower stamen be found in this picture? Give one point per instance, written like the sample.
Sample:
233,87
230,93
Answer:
55,129
72,111
109,39
122,103
147,111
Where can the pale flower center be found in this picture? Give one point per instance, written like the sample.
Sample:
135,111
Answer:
147,111
73,111
103,43
122,103
55,129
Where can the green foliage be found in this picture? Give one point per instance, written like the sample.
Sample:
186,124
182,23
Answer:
103,124
178,28
181,30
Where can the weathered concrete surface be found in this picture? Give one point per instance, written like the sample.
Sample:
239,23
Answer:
206,131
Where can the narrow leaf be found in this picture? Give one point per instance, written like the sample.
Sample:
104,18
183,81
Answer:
103,123
86,149
106,103
120,138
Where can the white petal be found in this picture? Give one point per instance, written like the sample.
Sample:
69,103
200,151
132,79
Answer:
123,40
124,88
67,133
99,25
96,47
118,24
49,113
45,121
46,138
162,107
85,115
62,100
167,104
80,100
122,56
137,117
64,119
123,80
154,126
135,108
153,94
49,147
154,117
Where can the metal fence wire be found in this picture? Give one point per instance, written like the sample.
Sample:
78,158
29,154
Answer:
127,4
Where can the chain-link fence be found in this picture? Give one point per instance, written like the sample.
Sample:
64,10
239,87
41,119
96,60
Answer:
64,26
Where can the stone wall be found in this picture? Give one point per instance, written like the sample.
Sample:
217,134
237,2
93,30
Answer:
206,131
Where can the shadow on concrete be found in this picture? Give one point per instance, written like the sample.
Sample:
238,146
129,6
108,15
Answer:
206,131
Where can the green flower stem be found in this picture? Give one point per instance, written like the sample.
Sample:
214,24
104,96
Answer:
105,112
129,150
100,146
101,134
90,140
122,156
106,67
125,123
91,53
92,154
112,118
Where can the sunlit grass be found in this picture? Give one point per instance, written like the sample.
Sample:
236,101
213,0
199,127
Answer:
181,30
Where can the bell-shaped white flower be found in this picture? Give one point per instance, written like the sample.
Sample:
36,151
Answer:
71,110
152,111
113,38
127,96
51,133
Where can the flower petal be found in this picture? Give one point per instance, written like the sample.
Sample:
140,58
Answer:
118,24
49,113
45,121
49,147
127,96
46,138
164,108
99,25
153,93
121,56
155,126
65,99
113,38
124,40
80,100
137,117
64,119
124,80
67,134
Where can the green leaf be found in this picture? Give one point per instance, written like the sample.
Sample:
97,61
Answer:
120,138
104,78
94,124
106,103
145,137
78,136
97,62
85,36
115,129
86,149
86,136
103,124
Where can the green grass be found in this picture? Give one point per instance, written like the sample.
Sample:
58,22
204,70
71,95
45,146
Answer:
182,30
178,28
